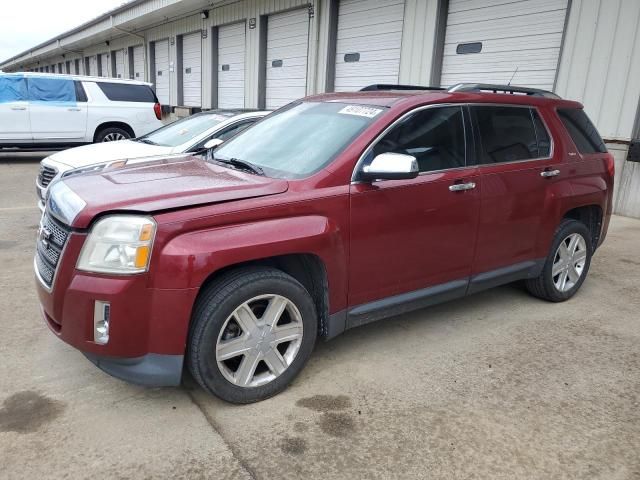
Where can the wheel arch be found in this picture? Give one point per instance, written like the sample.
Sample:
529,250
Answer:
591,216
312,249
306,268
114,124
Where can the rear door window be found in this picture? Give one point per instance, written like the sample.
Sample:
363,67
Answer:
51,90
507,134
121,92
581,130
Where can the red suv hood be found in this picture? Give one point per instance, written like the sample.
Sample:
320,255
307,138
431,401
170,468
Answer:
166,184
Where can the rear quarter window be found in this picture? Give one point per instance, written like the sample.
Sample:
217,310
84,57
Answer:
582,131
121,92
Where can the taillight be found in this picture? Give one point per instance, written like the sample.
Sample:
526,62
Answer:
157,109
611,165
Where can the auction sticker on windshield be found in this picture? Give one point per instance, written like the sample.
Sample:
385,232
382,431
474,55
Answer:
361,111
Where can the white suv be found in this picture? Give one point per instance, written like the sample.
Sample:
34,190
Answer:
48,110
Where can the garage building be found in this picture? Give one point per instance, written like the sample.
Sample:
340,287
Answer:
203,54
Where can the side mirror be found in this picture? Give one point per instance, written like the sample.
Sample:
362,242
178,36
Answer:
391,166
213,143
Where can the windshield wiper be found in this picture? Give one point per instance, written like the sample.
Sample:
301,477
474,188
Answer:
147,141
241,164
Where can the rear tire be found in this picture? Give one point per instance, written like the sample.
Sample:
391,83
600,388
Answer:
112,134
567,265
252,332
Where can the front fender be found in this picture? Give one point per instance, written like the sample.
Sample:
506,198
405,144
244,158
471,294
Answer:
187,260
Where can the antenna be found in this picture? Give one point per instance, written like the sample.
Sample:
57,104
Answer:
514,74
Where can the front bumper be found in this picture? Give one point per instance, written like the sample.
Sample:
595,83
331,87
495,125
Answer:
151,370
148,326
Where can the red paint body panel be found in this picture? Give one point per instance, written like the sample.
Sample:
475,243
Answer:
408,235
375,240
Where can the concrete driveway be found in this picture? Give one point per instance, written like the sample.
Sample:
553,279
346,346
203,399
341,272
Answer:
499,385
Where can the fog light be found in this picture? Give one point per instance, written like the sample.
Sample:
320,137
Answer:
101,315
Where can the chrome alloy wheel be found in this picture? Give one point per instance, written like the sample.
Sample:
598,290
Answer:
113,137
259,340
569,262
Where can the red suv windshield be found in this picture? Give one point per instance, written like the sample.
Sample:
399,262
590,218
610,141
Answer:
300,140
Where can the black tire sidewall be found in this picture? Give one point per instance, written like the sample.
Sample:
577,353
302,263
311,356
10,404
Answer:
211,316
565,229
103,133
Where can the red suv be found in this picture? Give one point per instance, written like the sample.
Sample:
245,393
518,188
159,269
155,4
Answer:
335,211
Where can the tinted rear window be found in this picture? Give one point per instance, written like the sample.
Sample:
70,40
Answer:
507,134
581,130
120,92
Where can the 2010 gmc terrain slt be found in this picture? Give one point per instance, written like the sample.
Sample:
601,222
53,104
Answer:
333,212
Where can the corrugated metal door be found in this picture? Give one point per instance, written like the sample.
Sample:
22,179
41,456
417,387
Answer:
231,45
138,63
488,43
93,65
287,47
104,64
119,64
369,38
161,55
192,69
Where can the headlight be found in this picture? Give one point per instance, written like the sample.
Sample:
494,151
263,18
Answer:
94,168
118,244
64,203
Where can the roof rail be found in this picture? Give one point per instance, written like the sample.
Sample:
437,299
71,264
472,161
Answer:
511,89
390,86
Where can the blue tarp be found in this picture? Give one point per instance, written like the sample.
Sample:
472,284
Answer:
13,88
59,90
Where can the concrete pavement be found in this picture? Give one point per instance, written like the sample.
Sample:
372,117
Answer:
499,385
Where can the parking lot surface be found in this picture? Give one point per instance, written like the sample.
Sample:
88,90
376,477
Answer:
498,385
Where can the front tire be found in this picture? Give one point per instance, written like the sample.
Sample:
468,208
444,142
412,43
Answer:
567,265
252,333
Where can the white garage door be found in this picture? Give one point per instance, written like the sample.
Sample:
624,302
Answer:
231,44
119,73
368,43
287,45
104,65
192,69
93,66
487,41
138,63
162,76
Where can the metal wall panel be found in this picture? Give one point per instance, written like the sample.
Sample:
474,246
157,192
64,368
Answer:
520,41
161,71
105,70
369,39
192,69
119,64
419,57
138,63
93,65
286,57
600,67
231,65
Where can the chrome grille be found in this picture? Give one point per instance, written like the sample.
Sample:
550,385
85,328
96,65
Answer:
45,271
52,237
46,175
